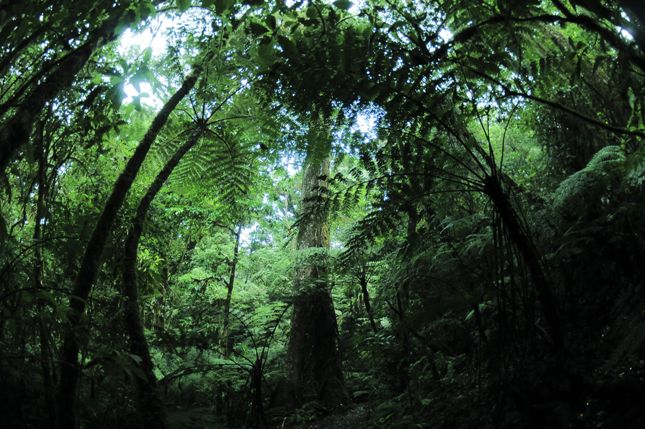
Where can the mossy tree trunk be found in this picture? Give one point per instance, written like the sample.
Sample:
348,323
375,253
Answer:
314,365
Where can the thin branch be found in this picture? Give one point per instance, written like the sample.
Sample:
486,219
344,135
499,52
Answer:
510,92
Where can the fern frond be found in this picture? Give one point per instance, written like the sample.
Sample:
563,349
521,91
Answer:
223,163
585,188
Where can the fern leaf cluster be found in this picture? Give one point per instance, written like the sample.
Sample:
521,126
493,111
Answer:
586,188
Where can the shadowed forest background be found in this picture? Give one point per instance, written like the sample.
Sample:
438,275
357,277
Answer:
322,214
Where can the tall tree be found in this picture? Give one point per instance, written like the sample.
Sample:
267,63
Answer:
313,358
69,366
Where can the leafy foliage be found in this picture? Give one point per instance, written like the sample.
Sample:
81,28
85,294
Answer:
477,244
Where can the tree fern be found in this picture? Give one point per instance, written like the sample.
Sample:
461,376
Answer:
222,162
585,188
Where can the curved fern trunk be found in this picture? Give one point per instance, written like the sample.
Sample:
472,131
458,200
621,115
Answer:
69,365
17,130
313,357
150,404
526,249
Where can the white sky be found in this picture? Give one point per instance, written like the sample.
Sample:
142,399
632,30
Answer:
133,43
152,36
365,123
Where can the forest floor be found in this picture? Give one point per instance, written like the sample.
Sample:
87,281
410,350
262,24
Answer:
355,417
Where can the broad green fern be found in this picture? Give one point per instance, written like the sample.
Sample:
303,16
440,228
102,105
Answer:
586,188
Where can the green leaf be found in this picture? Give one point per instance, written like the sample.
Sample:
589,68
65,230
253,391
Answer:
271,22
136,358
124,65
312,13
266,54
145,10
136,101
147,54
139,77
117,94
343,4
632,97
288,46
149,8
183,5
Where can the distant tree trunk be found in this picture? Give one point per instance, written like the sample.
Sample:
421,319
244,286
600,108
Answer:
313,357
226,341
17,129
403,301
362,280
150,404
69,366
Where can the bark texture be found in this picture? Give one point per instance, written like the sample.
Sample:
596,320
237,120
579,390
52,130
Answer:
69,366
314,366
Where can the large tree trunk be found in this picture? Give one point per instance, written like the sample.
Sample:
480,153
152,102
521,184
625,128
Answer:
313,357
69,366
150,404
17,130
